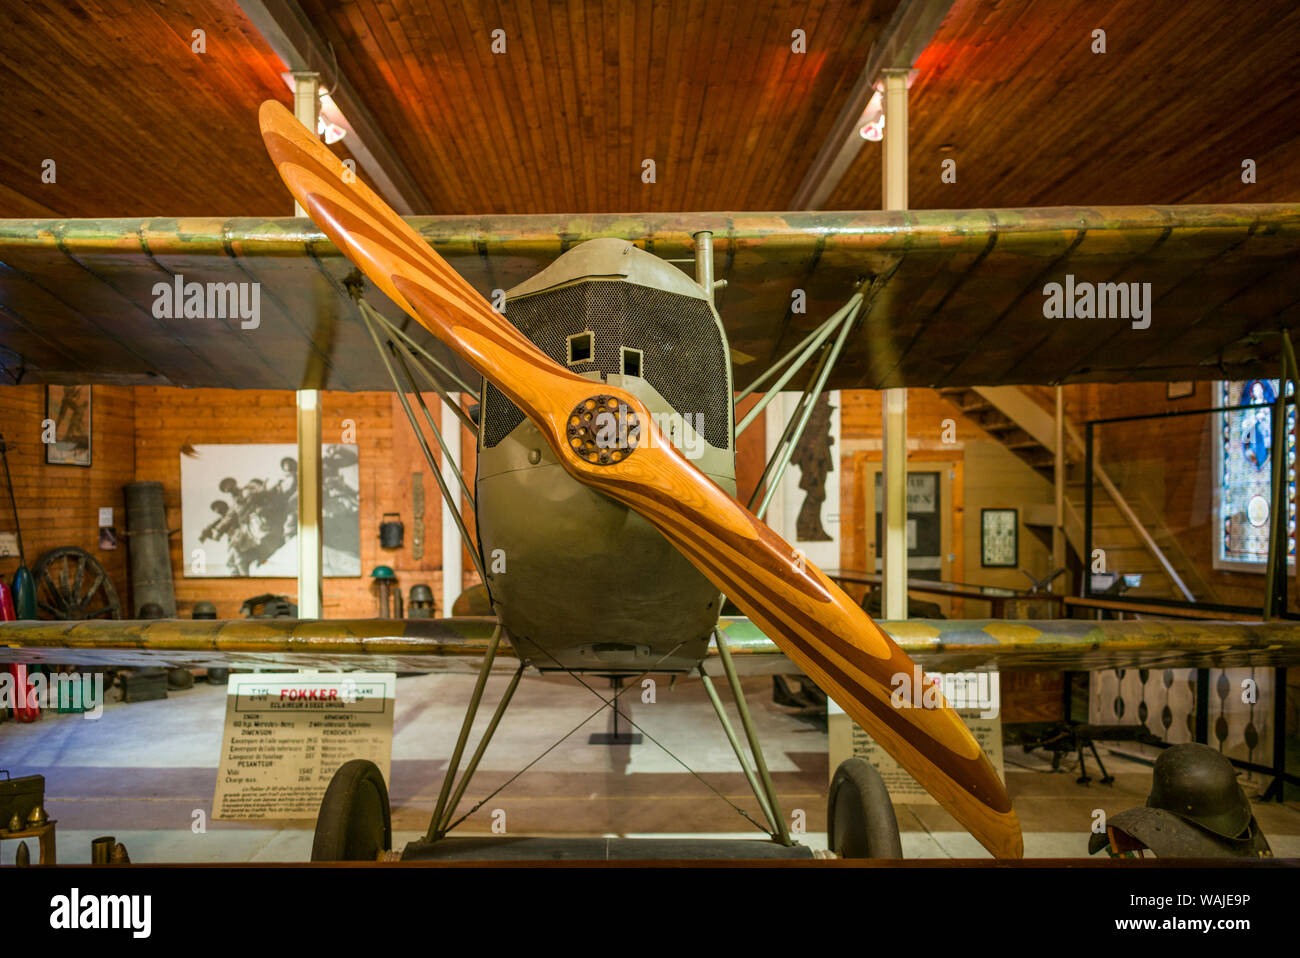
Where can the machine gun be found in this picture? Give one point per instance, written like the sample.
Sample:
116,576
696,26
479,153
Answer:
1065,737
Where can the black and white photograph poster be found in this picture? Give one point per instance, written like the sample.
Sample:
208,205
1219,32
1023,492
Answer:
239,510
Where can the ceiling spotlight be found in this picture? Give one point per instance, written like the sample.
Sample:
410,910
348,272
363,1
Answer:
330,122
332,132
873,118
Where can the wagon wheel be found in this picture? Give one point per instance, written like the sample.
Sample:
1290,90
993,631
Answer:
71,584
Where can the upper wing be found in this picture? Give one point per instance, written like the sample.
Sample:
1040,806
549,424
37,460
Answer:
963,303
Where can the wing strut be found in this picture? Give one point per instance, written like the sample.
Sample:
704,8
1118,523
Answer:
368,314
842,322
770,817
453,767
418,353
803,351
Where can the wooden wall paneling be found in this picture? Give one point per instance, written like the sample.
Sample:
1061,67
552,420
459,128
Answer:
59,505
751,449
167,419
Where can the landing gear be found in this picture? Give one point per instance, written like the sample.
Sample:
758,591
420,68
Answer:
354,824
860,820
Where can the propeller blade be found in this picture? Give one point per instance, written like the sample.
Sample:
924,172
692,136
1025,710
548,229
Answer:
817,625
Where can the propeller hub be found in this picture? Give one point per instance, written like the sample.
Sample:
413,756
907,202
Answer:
603,431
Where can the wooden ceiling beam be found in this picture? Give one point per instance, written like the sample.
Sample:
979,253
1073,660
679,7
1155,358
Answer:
909,30
293,37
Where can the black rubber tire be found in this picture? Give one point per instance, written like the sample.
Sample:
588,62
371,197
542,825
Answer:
860,820
355,822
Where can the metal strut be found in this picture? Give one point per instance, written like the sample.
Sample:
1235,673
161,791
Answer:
612,703
470,545
794,429
435,824
437,433
740,754
804,350
419,356
773,806
445,825
395,330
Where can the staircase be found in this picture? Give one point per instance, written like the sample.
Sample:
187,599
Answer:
1029,434
1131,533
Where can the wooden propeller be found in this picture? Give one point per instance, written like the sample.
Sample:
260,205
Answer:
819,628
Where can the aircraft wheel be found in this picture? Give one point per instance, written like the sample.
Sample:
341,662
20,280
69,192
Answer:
355,823
860,818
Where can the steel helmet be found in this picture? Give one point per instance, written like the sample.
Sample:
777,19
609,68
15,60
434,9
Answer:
1198,784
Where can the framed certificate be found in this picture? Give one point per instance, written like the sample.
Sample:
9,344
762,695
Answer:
999,538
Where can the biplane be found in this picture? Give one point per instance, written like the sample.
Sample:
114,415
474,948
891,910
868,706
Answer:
607,380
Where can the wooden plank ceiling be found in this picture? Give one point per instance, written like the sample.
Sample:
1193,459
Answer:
1185,91
136,122
561,123
586,92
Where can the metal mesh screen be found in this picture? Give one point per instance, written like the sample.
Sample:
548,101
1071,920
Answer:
682,351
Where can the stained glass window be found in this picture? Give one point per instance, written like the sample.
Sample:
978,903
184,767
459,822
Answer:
1244,474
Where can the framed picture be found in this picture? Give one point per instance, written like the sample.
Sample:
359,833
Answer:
1181,390
66,430
999,538
239,510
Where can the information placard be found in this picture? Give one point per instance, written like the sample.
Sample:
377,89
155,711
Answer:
848,740
287,734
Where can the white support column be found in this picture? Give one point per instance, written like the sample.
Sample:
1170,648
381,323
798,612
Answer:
1058,484
310,556
894,401
306,107
452,566
893,526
